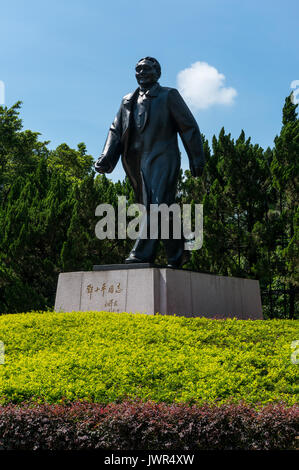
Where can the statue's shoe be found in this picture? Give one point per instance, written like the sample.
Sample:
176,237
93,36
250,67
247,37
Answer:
133,259
183,260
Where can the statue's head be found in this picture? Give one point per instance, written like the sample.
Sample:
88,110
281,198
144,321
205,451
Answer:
148,72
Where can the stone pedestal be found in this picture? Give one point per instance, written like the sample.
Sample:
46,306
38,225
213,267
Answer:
149,289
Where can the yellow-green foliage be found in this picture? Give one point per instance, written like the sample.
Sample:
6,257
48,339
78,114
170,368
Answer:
105,357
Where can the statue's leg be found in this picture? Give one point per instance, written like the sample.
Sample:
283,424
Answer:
174,247
144,249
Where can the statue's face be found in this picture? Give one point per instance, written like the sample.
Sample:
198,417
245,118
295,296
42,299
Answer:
146,73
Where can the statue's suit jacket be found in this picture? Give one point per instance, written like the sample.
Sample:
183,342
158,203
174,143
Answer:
155,172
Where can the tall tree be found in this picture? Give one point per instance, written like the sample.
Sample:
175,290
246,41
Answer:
285,171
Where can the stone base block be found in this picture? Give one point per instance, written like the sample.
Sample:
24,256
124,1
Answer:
152,290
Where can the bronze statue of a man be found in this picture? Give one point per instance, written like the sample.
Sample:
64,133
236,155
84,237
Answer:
144,132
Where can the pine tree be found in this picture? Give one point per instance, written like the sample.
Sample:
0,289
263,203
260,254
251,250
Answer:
285,171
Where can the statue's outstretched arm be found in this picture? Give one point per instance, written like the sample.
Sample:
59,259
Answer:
112,148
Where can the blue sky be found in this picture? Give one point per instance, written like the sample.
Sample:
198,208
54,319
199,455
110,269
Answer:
71,61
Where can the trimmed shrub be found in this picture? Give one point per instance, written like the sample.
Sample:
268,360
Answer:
136,425
108,357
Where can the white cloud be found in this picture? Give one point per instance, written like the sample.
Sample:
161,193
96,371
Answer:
202,86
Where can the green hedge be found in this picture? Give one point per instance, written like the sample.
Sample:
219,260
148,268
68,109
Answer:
105,357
